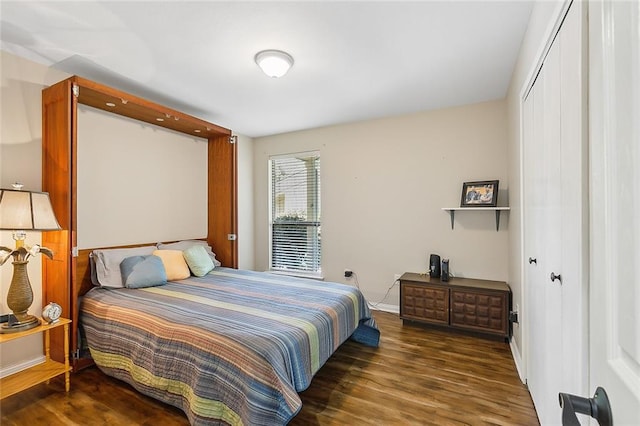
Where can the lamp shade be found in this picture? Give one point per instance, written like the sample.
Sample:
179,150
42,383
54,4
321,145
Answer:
26,210
274,63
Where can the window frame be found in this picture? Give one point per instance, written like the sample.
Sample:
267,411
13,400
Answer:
293,272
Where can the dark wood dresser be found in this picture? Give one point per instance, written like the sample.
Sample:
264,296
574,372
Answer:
479,306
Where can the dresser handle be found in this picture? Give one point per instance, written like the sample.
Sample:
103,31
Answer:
533,260
556,277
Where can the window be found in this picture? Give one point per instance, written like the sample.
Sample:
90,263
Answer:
295,213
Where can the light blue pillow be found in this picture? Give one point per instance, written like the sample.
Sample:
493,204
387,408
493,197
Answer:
143,271
198,260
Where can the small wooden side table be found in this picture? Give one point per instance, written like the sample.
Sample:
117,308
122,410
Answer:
40,373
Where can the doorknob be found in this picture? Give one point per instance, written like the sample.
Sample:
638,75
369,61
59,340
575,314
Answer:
533,260
597,407
556,277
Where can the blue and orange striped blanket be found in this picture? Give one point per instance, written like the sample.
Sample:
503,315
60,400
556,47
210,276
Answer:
233,347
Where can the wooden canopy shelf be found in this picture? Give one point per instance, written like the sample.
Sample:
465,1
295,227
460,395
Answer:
115,101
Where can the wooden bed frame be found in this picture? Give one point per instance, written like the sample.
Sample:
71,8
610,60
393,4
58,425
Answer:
67,276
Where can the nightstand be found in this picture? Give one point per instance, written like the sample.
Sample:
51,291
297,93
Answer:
40,373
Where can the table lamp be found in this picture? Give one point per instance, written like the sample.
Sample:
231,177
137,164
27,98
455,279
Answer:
22,211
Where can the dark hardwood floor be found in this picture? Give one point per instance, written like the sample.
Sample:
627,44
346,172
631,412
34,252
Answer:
418,376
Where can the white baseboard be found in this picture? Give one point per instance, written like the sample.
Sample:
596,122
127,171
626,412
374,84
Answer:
394,309
7,371
517,359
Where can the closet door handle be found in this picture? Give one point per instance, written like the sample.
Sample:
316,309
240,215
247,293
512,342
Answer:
556,277
533,260
597,407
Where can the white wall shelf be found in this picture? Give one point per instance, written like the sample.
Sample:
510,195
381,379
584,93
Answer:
452,212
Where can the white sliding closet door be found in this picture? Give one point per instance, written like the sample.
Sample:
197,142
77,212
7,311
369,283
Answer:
554,213
532,208
544,229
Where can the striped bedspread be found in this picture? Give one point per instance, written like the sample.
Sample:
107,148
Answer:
233,347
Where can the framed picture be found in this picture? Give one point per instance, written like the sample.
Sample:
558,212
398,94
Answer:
479,194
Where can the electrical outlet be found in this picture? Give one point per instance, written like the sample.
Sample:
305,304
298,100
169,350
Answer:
348,273
514,315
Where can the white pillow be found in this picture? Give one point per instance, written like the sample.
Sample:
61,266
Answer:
108,263
185,244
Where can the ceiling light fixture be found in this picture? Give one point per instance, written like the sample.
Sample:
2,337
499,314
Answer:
274,63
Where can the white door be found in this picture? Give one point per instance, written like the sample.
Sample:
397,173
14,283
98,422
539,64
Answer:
574,287
614,115
551,260
533,129
543,204
532,152
555,212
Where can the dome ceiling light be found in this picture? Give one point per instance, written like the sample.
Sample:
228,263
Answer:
274,63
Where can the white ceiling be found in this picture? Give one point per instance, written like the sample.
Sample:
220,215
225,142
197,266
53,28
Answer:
353,60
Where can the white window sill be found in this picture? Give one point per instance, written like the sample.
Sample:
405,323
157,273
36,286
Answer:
298,274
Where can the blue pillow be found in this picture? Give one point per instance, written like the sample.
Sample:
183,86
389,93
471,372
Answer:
143,271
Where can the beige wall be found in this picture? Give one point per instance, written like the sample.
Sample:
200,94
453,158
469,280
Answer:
168,188
541,23
138,183
384,183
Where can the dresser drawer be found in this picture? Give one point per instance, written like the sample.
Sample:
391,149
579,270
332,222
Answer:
425,303
481,311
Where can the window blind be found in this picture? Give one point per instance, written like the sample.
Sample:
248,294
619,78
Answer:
295,213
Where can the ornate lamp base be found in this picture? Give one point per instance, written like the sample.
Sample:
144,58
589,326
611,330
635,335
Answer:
14,325
19,299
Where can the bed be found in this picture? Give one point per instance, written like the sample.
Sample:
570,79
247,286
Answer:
231,347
